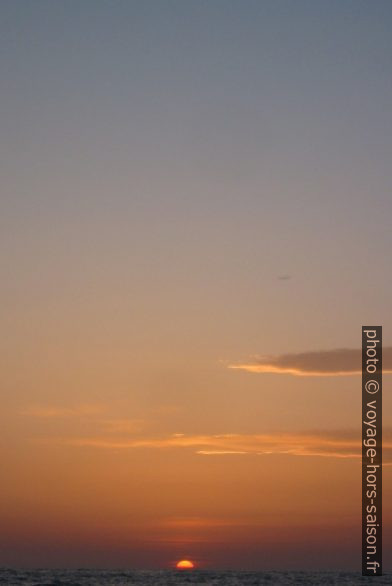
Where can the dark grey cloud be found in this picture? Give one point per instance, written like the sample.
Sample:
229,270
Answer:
343,361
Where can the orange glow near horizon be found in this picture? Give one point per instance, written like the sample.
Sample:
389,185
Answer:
185,565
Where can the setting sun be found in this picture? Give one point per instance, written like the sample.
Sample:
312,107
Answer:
185,565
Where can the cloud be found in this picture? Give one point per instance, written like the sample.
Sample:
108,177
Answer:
338,362
218,452
120,426
321,444
204,522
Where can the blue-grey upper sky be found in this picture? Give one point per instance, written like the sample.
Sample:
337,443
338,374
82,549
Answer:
230,142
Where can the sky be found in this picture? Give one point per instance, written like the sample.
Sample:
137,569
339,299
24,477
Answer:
195,223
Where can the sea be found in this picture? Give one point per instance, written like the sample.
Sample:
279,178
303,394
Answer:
83,577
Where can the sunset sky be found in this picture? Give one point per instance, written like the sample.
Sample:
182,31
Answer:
195,224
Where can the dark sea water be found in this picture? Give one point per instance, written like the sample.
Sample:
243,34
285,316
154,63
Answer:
12,577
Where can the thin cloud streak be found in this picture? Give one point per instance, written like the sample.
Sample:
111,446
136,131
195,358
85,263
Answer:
95,414
340,362
218,452
48,412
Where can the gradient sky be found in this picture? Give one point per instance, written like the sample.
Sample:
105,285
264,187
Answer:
187,187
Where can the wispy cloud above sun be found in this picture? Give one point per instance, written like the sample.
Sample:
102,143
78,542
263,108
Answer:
323,444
